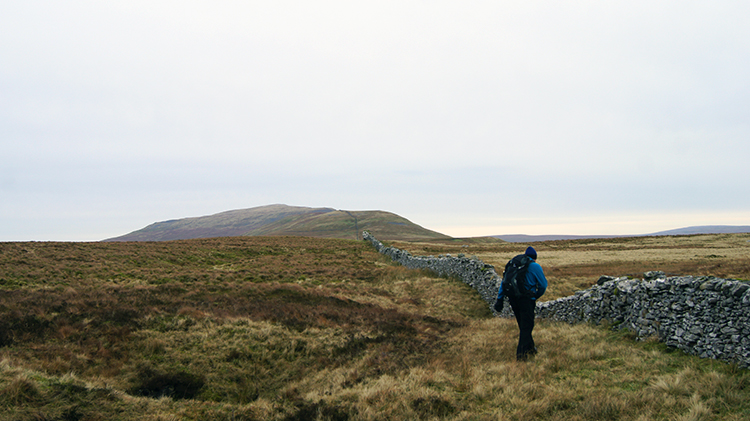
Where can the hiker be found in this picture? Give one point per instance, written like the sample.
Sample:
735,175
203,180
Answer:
523,282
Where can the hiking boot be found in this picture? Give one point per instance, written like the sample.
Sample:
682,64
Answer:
528,354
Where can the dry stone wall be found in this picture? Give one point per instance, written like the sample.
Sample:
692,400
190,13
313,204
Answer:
704,316
479,275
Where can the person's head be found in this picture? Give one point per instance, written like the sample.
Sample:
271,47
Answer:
531,252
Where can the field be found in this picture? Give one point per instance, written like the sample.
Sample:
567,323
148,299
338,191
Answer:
298,328
573,265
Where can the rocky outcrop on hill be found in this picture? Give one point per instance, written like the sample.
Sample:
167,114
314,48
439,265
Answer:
704,316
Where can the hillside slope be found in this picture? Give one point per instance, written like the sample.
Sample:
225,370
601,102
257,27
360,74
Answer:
285,220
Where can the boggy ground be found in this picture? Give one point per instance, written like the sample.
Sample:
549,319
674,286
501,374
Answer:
292,328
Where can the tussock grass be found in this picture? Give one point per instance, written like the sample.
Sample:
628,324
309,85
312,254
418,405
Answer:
284,328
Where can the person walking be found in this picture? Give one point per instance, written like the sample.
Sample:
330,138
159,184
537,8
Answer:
523,283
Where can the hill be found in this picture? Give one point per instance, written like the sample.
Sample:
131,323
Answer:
703,229
707,229
276,220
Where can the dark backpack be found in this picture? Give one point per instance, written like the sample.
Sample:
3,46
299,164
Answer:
514,277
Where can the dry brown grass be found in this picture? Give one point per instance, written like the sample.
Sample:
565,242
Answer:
298,328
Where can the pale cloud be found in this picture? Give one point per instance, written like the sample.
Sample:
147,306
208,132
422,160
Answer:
118,114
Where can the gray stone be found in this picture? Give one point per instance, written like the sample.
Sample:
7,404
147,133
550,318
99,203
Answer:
653,274
604,279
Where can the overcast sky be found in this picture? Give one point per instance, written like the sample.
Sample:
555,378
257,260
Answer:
466,117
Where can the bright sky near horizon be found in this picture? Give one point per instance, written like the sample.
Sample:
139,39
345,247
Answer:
469,118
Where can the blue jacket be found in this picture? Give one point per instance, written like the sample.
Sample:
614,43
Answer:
535,281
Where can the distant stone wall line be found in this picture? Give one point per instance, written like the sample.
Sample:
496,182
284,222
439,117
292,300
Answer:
704,316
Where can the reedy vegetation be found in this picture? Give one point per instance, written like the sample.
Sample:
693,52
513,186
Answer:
292,328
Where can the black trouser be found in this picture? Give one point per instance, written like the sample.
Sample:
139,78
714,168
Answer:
523,308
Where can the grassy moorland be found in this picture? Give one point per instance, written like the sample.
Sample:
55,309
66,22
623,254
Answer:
296,328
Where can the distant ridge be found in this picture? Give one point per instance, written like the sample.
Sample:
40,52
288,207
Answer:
707,229
703,229
523,238
286,220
